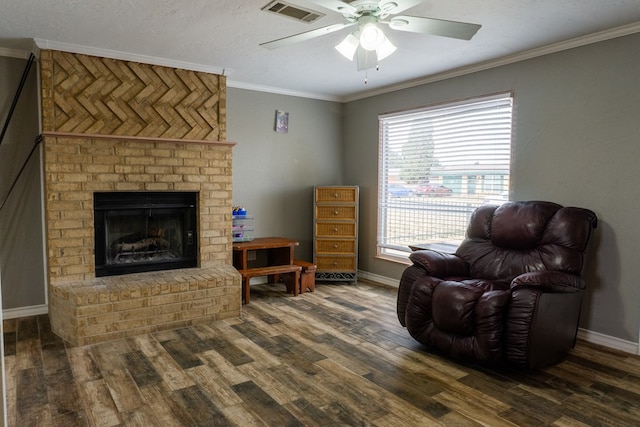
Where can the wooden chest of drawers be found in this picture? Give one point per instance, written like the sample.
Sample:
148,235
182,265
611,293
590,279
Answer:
335,233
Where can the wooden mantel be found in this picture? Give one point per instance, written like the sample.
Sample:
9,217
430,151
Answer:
135,138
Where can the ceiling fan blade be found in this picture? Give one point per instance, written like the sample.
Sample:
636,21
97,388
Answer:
392,7
335,5
289,40
438,27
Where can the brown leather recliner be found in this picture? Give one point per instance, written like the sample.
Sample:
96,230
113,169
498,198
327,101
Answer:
510,293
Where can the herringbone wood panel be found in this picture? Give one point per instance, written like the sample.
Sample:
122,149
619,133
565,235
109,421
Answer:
335,357
102,96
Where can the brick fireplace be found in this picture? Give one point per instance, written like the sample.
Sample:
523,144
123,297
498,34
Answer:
115,126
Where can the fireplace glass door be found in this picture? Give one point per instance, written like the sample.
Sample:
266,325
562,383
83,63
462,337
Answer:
144,231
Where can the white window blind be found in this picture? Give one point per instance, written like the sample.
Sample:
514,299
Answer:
436,165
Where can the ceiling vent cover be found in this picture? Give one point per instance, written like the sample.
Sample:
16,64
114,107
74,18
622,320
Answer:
294,12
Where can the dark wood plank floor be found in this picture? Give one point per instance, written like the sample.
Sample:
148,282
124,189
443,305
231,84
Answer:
335,357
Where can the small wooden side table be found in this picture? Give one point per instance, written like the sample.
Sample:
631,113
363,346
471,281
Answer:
274,256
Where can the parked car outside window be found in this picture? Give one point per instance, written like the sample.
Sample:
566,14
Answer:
433,190
399,190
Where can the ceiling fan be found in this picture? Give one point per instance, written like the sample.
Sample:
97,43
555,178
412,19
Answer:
368,42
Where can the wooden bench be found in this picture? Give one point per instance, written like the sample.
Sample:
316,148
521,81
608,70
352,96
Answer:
274,270
307,276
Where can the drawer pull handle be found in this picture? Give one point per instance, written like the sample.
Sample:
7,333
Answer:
336,212
335,246
335,195
335,264
335,230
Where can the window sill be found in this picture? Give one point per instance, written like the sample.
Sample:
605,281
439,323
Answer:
396,259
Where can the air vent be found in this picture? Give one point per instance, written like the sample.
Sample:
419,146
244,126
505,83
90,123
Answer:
294,12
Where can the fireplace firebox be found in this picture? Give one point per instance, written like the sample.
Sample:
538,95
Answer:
144,231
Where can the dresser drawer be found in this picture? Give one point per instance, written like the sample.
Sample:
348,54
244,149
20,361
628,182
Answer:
335,212
336,263
335,229
337,194
327,246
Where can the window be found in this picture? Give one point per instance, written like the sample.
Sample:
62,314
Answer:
437,164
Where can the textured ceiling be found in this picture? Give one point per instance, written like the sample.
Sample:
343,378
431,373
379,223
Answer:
223,36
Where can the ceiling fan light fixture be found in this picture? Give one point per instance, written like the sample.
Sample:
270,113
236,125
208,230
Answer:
385,49
348,46
371,36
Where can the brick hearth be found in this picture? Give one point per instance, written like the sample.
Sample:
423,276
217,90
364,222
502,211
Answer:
114,307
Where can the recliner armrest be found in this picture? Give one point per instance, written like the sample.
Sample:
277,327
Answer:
550,281
440,264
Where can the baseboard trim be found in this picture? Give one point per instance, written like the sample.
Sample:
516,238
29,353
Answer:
14,53
609,341
375,278
583,334
34,310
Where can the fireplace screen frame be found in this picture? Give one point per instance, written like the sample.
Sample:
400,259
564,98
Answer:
122,203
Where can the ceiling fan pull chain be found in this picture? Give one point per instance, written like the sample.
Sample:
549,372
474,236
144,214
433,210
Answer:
366,65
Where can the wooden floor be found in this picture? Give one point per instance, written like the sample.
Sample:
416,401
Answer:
335,357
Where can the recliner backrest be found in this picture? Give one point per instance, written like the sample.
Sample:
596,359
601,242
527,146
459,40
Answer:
505,241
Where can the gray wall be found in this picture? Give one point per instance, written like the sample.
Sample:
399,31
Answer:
576,142
21,253
274,173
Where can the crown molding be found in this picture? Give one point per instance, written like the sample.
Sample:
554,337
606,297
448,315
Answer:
126,56
609,34
279,91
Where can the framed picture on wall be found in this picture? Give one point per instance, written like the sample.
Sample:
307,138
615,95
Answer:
282,121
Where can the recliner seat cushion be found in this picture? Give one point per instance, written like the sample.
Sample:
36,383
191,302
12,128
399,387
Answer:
461,319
